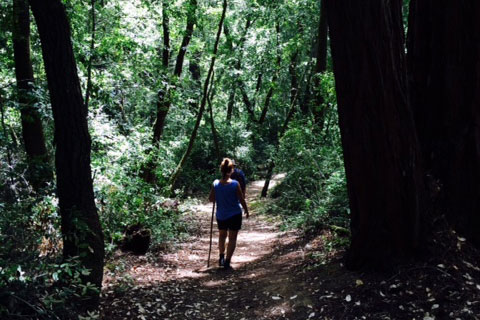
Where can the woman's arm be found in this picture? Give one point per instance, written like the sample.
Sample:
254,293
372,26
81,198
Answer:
211,196
242,200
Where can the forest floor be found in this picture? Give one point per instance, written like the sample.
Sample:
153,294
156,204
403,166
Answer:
283,275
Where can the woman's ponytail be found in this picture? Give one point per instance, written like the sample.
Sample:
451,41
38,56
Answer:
226,167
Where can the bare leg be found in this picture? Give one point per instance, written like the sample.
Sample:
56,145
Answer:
222,236
232,243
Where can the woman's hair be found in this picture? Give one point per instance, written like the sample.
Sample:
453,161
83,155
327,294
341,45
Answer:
226,167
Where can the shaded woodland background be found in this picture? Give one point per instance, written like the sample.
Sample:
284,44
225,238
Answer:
115,115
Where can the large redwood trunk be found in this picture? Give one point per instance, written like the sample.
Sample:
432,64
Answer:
444,68
32,128
381,153
81,230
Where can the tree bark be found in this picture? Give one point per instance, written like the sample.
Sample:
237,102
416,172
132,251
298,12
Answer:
193,136
292,69
216,142
381,150
32,128
191,20
9,194
166,35
269,95
164,95
444,74
81,230
320,67
194,69
271,164
237,66
250,107
90,58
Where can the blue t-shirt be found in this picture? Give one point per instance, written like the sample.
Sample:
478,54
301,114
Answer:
227,200
240,177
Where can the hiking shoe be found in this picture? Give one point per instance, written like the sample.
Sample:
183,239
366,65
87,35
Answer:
226,265
221,261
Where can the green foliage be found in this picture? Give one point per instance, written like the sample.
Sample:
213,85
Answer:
127,75
313,194
42,289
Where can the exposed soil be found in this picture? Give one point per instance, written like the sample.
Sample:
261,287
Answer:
282,275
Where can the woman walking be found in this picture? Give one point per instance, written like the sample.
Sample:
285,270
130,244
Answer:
229,199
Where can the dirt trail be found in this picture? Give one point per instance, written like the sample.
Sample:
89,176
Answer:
264,284
279,275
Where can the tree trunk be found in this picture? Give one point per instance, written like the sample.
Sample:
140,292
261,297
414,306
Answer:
268,98
444,70
191,20
271,164
248,104
164,95
318,109
216,143
381,153
194,69
185,156
292,69
90,58
166,35
237,67
32,128
81,229
9,194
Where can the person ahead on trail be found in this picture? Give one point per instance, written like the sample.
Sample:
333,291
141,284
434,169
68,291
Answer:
240,177
229,198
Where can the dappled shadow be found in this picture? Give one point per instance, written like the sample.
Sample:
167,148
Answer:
177,284
268,286
279,275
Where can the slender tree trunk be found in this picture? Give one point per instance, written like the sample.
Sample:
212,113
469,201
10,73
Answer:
81,229
237,67
32,128
268,98
166,35
194,69
318,109
381,151
210,96
246,100
231,97
175,175
444,70
271,164
292,69
9,194
90,58
164,95
163,98
191,20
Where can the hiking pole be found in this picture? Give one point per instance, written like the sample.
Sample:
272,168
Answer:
211,233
